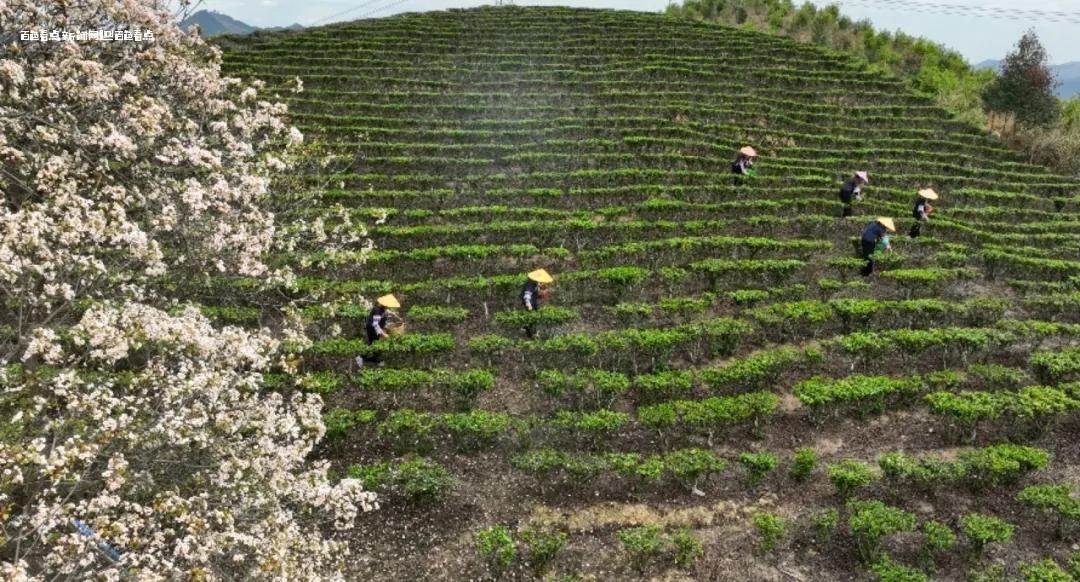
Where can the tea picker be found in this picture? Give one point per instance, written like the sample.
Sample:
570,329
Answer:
533,292
922,210
381,322
875,239
744,162
850,191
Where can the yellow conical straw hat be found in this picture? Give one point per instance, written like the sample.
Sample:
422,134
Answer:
540,276
928,194
388,301
748,151
887,223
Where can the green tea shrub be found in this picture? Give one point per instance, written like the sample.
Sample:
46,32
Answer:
824,523
542,547
803,464
687,548
407,430
1001,464
771,529
437,314
1045,571
758,465
651,388
1052,367
643,543
937,538
849,475
985,529
871,521
889,571
477,429
1056,502
495,545
584,388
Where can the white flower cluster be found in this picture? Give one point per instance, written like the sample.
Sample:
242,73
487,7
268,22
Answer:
143,447
181,467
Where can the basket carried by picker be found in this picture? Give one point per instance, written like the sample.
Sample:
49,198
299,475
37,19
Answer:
396,327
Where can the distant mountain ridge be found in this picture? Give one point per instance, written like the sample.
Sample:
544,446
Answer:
215,23
1067,73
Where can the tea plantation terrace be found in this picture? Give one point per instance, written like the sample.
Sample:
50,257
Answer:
713,389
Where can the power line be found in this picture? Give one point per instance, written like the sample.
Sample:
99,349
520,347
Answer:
1055,16
344,12
387,7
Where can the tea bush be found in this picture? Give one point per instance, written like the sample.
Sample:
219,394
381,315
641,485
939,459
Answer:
871,521
758,465
771,529
849,475
985,529
803,464
496,546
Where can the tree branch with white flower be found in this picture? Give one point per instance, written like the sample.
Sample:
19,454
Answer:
134,436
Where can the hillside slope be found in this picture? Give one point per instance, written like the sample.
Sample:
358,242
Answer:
694,317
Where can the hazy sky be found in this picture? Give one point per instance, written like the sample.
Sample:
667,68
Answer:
977,38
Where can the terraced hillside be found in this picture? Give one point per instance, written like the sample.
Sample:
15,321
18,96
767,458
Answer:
711,369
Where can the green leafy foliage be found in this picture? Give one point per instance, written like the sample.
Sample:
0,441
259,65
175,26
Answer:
1002,464
1045,571
1056,502
585,387
849,475
824,523
711,414
338,422
864,393
687,548
1056,366
495,545
983,529
542,547
758,371
489,346
477,429
546,316
871,521
771,529
980,468
592,425
437,314
889,571
937,538
643,543
758,465
803,464
416,479
663,385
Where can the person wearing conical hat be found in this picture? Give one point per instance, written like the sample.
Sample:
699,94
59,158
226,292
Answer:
874,233
744,161
375,325
533,292
922,210
851,191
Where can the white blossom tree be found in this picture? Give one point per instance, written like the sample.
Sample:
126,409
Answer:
135,441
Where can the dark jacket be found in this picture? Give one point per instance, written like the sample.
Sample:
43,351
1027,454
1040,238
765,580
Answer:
376,319
873,232
530,294
741,164
848,190
919,212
